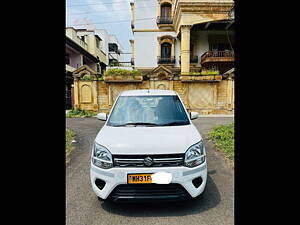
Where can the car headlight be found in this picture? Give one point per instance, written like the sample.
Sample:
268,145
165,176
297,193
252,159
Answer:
195,156
101,157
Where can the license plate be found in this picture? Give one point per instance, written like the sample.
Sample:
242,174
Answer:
139,179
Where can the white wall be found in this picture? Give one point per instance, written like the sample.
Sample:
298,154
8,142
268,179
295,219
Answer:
143,10
146,47
113,39
104,43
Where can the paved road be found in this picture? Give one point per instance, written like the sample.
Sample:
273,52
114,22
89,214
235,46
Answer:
215,207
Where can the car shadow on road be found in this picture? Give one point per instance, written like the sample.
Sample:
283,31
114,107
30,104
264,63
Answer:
209,199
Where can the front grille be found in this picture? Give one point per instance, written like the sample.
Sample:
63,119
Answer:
149,192
157,160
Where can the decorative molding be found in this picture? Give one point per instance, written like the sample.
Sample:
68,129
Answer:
202,12
166,38
84,70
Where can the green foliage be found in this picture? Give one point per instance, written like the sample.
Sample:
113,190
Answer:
223,137
210,72
122,72
205,72
69,138
114,62
80,113
87,77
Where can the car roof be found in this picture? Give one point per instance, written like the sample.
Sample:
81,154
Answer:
147,92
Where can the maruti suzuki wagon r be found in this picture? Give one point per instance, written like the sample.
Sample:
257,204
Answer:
148,149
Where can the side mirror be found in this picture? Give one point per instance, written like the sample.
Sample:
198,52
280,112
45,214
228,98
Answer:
194,115
102,116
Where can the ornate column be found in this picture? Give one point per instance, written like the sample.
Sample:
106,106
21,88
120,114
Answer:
158,8
76,93
95,95
173,48
132,14
158,47
185,48
229,93
132,48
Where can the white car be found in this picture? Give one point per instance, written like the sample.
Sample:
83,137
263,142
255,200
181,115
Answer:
148,149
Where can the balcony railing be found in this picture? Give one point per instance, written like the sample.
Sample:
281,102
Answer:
164,20
170,60
193,59
119,64
217,56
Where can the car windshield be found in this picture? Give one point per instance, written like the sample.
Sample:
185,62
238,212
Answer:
148,111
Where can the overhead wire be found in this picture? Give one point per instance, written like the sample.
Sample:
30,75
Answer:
111,10
119,21
104,3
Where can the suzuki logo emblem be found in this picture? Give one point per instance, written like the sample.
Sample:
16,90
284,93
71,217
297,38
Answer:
148,161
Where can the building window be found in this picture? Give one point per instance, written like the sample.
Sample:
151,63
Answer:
113,47
82,38
165,11
165,16
166,50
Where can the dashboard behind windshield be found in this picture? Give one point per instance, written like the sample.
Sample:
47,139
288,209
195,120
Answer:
148,110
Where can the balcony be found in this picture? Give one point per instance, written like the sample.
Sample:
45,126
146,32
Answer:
101,55
71,33
114,64
217,57
70,68
164,20
193,59
170,60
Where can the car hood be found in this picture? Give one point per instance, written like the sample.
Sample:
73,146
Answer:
148,140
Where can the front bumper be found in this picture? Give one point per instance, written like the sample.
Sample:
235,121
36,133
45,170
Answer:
118,176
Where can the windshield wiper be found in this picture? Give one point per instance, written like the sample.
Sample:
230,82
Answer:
136,124
175,123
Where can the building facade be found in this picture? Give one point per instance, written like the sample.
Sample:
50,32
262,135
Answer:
112,47
183,35
187,46
84,47
181,45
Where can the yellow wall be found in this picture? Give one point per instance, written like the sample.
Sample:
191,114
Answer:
202,97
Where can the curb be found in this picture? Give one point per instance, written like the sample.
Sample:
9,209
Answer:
217,115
